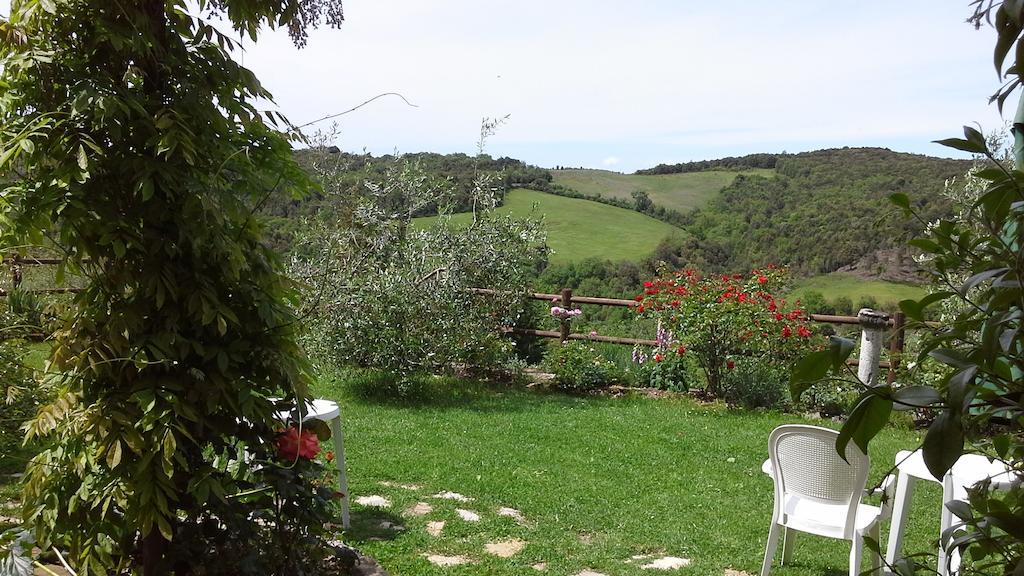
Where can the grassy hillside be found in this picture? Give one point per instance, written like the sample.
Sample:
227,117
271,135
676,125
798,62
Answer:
839,285
579,229
680,192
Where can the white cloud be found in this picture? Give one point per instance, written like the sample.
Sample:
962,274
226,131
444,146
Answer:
610,161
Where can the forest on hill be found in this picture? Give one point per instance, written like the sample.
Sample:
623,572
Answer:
823,210
817,212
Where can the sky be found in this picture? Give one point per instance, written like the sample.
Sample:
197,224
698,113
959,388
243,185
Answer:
625,86
628,85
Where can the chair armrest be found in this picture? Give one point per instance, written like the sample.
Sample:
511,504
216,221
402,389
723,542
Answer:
766,467
886,489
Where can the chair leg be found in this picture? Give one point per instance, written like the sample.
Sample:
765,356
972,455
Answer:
876,560
769,549
788,540
856,551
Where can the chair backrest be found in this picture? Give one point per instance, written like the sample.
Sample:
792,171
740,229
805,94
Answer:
805,464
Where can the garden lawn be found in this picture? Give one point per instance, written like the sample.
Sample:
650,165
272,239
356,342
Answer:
682,192
598,480
579,229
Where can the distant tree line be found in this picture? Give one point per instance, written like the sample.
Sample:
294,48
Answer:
747,162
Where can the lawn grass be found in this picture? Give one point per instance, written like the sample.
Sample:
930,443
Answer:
682,192
836,285
579,229
598,480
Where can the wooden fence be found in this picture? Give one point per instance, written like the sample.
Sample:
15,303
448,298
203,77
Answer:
895,323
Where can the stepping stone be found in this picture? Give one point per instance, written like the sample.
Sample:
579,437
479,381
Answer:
514,514
385,525
420,509
540,566
731,572
505,548
467,515
390,484
439,560
374,500
667,563
589,573
452,496
434,528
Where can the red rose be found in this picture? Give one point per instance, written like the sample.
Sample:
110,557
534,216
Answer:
730,364
762,279
329,456
291,445
786,332
803,332
657,357
681,350
648,284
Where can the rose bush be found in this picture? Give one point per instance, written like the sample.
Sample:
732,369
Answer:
725,320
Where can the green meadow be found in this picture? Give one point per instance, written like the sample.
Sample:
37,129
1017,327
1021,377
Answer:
682,192
579,229
838,285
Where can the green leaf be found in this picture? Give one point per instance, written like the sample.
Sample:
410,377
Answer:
960,144
49,5
949,357
840,349
915,397
114,454
900,199
808,370
912,309
869,415
943,443
169,445
83,160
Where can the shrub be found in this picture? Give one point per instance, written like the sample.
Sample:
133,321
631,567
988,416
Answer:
576,366
670,373
20,394
755,384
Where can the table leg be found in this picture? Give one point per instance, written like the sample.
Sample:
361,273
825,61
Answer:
901,505
339,458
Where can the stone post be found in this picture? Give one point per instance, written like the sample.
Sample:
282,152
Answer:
872,340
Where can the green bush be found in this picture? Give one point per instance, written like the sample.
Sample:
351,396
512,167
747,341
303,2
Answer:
672,373
577,366
754,384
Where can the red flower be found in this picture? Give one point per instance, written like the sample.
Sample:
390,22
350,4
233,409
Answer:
329,456
762,279
639,298
648,284
640,308
292,445
742,298
778,316
657,357
786,332
803,332
730,364
681,350
675,303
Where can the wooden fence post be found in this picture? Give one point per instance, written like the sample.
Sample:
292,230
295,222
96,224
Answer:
15,274
896,343
872,324
564,322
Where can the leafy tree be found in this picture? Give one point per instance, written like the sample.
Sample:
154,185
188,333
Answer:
131,141
641,201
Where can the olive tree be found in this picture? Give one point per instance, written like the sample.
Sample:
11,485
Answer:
130,140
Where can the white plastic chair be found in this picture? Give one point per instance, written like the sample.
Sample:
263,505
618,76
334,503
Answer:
819,493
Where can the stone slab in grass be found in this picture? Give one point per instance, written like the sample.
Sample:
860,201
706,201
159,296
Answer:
452,496
467,515
441,560
419,509
505,548
435,528
374,501
513,514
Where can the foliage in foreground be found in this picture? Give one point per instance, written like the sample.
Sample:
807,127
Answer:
975,259
130,141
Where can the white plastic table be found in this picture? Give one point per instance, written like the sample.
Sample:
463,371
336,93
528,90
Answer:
328,411
967,471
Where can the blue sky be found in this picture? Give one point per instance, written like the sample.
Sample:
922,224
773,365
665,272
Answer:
625,86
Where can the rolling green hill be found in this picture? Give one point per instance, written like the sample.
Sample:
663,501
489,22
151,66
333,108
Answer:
840,285
682,192
579,229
